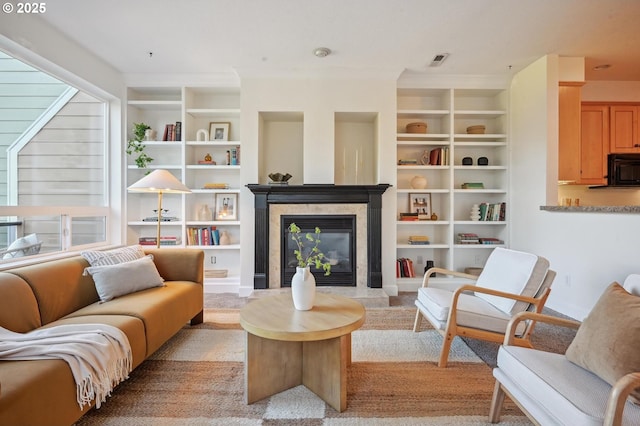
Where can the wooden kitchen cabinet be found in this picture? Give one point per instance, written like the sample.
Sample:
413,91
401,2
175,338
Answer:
625,128
569,96
594,144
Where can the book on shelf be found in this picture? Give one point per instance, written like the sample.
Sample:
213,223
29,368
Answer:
418,240
235,156
493,211
467,238
472,185
404,268
203,236
172,132
438,156
164,241
215,185
490,240
409,216
407,162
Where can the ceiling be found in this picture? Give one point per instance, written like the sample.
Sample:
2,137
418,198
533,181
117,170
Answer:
482,37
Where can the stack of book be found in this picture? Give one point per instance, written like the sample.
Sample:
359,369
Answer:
467,238
215,185
164,241
408,162
472,185
490,240
404,268
409,216
418,239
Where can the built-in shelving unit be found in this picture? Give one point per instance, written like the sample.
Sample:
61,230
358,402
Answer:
195,108
448,113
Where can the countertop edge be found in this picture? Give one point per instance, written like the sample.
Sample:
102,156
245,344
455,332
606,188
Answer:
593,209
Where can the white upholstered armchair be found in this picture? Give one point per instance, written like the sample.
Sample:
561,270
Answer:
592,382
511,282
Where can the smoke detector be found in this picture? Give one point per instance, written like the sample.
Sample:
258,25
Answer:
438,59
321,52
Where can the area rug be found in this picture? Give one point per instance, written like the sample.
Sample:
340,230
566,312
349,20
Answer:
197,378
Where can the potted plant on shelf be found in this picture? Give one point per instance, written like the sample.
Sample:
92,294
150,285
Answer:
137,146
303,284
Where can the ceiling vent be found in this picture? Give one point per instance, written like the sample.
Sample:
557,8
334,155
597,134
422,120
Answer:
438,59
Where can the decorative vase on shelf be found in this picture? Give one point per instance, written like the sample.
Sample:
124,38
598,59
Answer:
150,135
303,289
475,212
418,182
205,213
225,240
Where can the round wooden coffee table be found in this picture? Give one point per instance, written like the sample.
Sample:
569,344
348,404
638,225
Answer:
286,347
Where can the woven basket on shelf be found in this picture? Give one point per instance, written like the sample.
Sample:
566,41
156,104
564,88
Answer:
476,130
417,127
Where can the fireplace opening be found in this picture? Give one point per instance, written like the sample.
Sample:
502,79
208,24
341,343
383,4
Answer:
337,242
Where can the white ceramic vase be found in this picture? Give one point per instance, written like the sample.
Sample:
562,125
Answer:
205,213
475,212
303,289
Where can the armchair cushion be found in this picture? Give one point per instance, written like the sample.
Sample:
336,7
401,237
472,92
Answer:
608,339
472,311
513,272
554,389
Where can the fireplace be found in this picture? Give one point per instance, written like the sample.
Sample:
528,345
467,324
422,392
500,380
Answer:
273,201
337,242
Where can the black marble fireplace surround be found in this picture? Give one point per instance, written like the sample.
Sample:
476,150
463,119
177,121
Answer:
265,195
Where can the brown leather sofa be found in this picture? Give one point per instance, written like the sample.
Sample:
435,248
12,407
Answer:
43,392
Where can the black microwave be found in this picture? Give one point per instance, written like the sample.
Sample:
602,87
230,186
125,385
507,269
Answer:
623,170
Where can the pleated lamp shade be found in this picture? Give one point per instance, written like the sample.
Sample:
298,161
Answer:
159,181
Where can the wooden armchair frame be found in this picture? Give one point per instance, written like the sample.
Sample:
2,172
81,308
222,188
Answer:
453,329
617,397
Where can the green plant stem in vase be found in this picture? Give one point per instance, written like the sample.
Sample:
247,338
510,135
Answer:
137,146
310,255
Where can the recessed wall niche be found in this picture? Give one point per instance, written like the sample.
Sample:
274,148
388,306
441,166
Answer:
281,137
356,148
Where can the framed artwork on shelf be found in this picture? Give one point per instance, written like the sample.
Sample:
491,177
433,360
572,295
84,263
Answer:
420,204
219,132
226,206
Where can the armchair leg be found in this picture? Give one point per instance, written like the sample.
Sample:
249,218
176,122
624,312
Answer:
446,347
418,321
496,403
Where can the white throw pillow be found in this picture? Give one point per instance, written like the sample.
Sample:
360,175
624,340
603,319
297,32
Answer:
117,280
114,256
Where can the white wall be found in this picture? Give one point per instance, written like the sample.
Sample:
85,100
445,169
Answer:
608,91
318,99
588,250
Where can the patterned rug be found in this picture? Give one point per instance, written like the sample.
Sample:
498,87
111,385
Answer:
197,378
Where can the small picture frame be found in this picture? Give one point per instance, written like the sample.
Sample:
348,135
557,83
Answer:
226,206
219,132
420,203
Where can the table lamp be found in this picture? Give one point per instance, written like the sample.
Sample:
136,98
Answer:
159,181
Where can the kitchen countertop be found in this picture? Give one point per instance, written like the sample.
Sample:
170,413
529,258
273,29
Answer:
593,209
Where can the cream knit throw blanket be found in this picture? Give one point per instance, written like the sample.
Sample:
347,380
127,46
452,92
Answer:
99,355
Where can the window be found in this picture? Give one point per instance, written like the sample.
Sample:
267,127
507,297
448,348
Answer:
52,172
